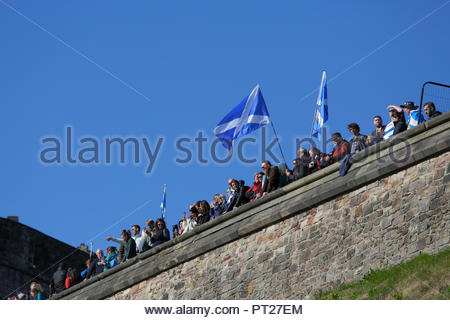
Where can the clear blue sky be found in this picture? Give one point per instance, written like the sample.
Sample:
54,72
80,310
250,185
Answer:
194,61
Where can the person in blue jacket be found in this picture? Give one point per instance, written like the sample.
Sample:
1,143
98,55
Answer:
111,258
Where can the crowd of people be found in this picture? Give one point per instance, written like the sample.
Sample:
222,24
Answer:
271,178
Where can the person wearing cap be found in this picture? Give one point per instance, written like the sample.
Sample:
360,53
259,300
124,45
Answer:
341,147
430,110
411,110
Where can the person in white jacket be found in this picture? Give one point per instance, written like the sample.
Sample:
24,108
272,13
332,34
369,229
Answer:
190,223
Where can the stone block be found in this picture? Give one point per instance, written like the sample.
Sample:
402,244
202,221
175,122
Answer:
386,222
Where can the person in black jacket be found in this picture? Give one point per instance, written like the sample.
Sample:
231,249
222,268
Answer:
301,166
203,209
430,110
398,119
58,280
96,265
130,245
161,233
239,196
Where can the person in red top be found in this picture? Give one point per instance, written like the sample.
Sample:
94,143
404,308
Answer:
341,147
72,278
255,191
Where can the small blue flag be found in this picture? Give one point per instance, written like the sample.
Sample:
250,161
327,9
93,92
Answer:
246,117
321,114
163,204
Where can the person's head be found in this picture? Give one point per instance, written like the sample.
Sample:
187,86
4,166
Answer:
62,266
336,138
409,106
394,115
126,235
150,224
72,273
35,287
203,206
100,254
258,177
313,152
265,166
377,121
180,224
429,108
302,153
111,250
135,229
221,198
353,128
234,184
193,210
160,224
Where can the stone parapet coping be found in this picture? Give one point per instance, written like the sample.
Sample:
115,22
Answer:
412,146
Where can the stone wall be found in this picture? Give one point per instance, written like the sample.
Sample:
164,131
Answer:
28,254
392,204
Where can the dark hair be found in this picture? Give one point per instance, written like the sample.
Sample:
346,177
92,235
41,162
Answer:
378,117
336,135
72,274
203,206
193,209
399,115
267,162
353,126
160,220
430,104
111,249
126,234
258,173
136,226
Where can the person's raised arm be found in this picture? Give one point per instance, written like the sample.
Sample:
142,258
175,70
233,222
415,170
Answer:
392,107
116,240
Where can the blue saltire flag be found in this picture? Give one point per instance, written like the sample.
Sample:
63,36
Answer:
413,119
163,204
321,114
246,117
389,130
